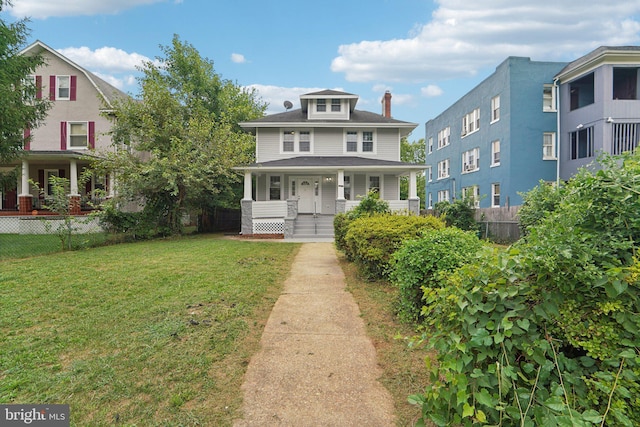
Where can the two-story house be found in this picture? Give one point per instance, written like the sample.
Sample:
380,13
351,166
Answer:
317,160
497,140
75,125
599,106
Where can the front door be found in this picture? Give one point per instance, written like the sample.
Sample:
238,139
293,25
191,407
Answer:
308,192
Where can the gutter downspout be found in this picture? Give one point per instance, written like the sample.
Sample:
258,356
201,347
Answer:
556,87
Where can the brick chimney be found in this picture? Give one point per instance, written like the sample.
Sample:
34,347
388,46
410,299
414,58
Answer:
386,105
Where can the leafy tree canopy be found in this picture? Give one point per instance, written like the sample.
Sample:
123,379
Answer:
413,152
19,108
187,121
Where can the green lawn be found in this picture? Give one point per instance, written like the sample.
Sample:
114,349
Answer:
153,333
28,245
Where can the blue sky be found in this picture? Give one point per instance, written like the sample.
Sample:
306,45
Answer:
428,53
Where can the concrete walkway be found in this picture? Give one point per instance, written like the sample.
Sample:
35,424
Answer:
316,366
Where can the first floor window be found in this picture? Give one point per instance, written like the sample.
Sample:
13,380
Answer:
275,187
473,194
443,195
429,201
581,143
495,153
443,169
549,146
495,195
374,183
347,187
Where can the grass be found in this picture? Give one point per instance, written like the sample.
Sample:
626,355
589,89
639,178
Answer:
153,333
404,370
28,245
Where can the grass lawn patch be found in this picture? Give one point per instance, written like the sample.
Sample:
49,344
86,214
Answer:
29,245
404,370
151,333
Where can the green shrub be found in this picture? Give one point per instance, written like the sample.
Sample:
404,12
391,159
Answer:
130,224
460,213
369,205
419,264
548,333
371,240
537,204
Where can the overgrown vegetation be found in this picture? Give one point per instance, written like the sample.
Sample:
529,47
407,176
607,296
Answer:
537,204
370,204
460,213
548,332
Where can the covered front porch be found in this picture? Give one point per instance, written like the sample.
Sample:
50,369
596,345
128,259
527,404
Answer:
276,193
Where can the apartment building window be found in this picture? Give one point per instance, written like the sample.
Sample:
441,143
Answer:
443,195
495,153
495,109
495,195
471,160
430,145
626,137
321,105
472,193
444,137
581,92
275,187
335,105
548,98
471,122
581,143
367,142
429,201
305,141
625,82
429,174
549,146
443,169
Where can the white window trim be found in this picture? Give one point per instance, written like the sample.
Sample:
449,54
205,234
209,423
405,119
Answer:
71,147
429,200
468,167
553,146
493,162
444,193
359,142
444,135
381,176
351,186
268,195
429,173
475,190
493,194
553,108
493,108
58,97
430,146
296,141
471,117
448,167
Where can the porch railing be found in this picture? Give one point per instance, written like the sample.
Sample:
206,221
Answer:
394,205
268,217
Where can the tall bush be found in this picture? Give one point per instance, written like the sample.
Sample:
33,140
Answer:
370,204
537,203
370,241
549,333
421,263
460,213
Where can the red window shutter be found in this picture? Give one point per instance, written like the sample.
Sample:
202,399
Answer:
92,134
27,139
61,173
38,87
52,88
41,178
63,135
72,91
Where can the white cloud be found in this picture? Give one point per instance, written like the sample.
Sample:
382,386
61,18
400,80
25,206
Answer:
463,37
238,58
104,59
431,91
276,95
42,9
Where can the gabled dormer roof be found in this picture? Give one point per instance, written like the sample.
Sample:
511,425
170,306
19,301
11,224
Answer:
620,55
107,91
328,93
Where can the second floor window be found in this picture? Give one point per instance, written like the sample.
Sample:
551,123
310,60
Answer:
352,142
296,141
495,153
471,160
288,142
305,141
549,146
359,142
443,169
495,195
367,142
78,135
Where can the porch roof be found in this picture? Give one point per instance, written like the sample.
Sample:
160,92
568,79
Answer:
331,164
50,155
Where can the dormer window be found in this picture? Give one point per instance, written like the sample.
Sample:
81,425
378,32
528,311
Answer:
335,105
321,105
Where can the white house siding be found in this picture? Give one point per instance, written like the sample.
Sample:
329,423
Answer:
391,188
269,147
388,147
328,196
328,142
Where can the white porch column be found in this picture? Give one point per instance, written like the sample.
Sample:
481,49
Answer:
247,186
24,182
73,179
340,185
112,185
413,185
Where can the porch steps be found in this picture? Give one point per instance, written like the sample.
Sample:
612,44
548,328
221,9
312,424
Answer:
306,226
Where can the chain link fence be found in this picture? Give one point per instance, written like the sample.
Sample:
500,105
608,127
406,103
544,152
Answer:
27,236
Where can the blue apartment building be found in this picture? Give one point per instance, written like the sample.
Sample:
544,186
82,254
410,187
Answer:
498,140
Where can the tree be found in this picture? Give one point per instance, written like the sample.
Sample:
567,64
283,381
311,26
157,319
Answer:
413,152
19,109
187,120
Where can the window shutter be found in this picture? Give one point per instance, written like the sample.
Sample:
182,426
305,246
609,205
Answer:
38,87
72,91
61,173
27,139
63,135
92,134
52,88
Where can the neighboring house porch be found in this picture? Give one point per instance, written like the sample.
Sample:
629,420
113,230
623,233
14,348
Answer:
277,192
